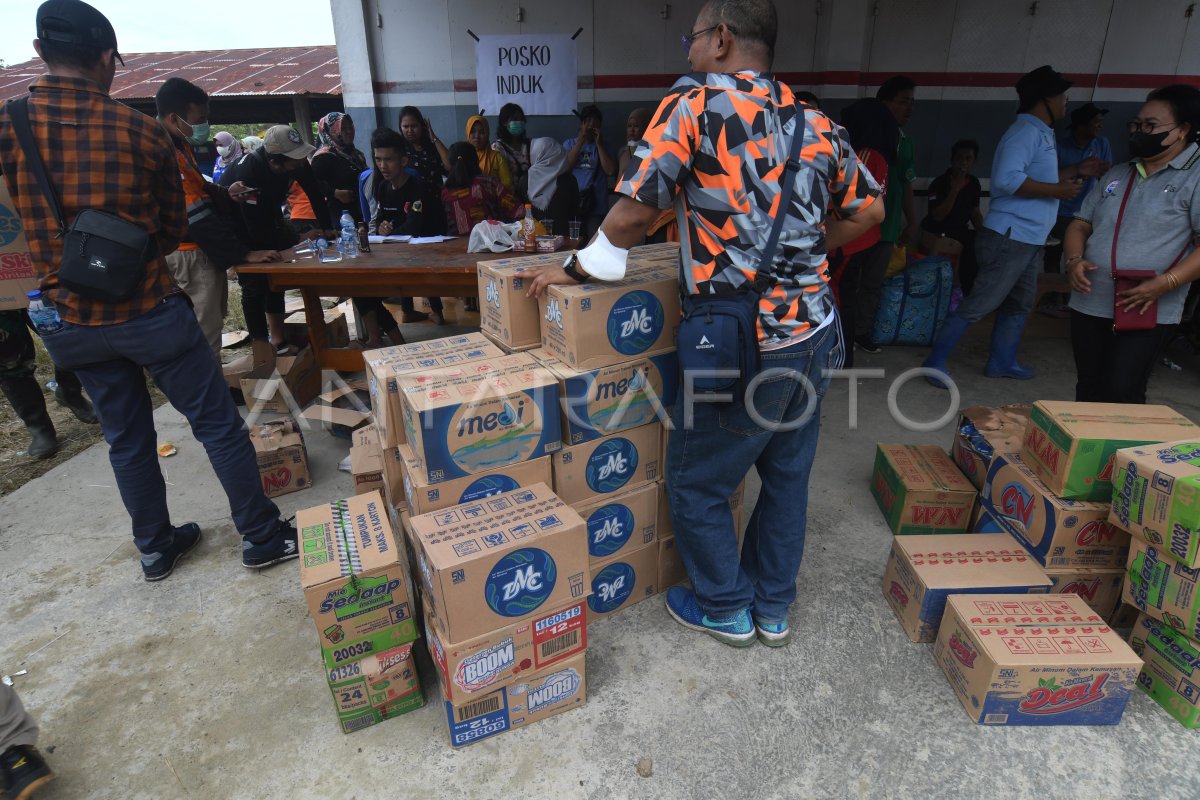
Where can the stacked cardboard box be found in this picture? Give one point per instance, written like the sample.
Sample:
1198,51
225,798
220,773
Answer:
281,455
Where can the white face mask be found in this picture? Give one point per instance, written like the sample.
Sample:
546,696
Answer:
223,152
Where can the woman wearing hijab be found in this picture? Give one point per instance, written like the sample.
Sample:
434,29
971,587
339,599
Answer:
553,190
491,163
514,146
229,150
470,197
337,163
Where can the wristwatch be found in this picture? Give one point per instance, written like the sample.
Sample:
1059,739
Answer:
574,274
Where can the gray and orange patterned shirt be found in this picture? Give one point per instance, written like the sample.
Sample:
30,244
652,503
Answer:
716,150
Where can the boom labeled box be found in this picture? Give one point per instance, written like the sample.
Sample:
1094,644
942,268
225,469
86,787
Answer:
584,473
1016,660
1071,445
463,420
505,313
505,655
1156,496
622,523
922,571
622,581
601,323
424,497
488,564
1099,588
281,456
1059,533
387,365
920,490
352,568
605,400
982,434
1171,673
376,687
1164,588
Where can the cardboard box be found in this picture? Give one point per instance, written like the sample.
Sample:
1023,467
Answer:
281,455
463,420
1059,533
920,490
1162,587
293,383
376,687
423,497
543,694
1099,588
616,525
984,432
670,565
1016,660
587,472
922,571
1071,445
1156,496
505,655
505,313
385,366
601,323
17,276
355,579
1171,672
366,465
489,564
237,369
337,330
605,400
622,581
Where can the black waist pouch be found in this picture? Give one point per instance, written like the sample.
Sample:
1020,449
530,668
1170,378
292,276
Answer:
104,256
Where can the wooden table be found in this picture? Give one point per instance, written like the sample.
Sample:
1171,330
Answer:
445,269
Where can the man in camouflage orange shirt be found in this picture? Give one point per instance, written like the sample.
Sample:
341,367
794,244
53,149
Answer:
716,151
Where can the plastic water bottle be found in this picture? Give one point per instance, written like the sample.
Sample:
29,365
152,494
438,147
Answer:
349,240
43,314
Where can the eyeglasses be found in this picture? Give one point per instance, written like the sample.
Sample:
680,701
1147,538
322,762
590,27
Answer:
1137,126
688,39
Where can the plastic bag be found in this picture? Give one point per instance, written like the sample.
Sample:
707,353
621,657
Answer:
492,236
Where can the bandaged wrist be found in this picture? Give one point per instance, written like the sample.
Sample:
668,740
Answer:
603,260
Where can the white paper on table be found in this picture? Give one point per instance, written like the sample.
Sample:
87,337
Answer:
430,239
376,239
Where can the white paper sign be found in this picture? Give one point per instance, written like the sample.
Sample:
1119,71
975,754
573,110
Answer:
539,73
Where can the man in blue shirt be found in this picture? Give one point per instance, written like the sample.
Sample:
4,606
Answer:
1082,144
1027,186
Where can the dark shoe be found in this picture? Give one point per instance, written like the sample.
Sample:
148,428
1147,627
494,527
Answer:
865,344
156,566
438,318
23,771
413,316
280,547
27,400
1006,338
69,394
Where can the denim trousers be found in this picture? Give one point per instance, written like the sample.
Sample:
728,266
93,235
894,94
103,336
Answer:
1007,277
707,459
111,362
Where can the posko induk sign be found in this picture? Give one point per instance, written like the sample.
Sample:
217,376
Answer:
537,72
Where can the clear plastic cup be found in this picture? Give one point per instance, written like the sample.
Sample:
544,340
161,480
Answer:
573,229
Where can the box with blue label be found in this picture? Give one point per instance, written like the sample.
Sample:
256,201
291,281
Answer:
982,434
1047,660
622,581
1156,496
616,525
605,400
601,323
464,420
1171,673
376,687
520,702
423,497
491,563
584,473
922,571
505,313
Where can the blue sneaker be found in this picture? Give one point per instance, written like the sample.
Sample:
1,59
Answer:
156,566
280,547
772,634
736,631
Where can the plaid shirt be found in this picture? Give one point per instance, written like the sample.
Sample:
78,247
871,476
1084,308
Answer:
99,154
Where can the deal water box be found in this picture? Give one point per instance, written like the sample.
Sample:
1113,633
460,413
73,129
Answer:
489,564
386,365
922,571
601,323
618,397
1059,533
983,433
1171,673
543,694
1164,588
505,313
376,687
619,524
352,568
620,582
1071,445
615,463
485,414
1018,660
424,497
1099,588
281,456
505,655
920,490
1156,496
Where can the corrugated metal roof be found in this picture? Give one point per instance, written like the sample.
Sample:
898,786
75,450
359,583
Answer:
277,71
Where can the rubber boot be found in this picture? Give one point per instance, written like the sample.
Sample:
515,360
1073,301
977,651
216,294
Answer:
1006,338
70,394
27,400
952,330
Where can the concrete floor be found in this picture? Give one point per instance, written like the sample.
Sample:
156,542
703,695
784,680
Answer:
209,685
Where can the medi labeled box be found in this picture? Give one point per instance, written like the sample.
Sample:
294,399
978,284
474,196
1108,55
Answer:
423,497
1156,496
615,463
485,414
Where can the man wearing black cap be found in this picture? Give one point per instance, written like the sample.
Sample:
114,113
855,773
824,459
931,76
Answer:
1027,186
100,154
1081,145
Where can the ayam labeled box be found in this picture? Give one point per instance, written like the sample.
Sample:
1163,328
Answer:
920,490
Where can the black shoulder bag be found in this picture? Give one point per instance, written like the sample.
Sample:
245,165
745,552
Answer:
104,256
718,335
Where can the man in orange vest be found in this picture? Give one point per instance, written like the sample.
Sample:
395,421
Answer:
211,245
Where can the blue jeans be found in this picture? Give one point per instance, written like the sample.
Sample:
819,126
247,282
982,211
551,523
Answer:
1007,277
706,463
167,342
